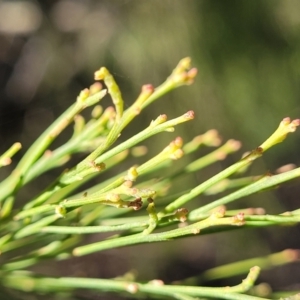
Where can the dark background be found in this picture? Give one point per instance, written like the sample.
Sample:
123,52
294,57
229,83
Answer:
248,57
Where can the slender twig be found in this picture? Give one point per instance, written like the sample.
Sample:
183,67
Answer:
155,287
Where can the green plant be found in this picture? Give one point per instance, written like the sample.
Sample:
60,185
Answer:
51,224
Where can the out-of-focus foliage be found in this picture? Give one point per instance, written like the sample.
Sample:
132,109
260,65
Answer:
247,53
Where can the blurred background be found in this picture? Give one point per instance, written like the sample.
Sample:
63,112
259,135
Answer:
248,57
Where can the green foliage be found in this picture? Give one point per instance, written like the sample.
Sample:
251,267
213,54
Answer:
50,226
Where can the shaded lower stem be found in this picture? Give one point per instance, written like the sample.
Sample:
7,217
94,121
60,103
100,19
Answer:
155,287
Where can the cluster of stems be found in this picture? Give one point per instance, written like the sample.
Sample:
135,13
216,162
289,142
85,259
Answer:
50,226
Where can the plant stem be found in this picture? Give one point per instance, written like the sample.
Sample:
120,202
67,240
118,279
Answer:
261,184
214,220
8,185
286,126
210,182
242,267
92,229
155,287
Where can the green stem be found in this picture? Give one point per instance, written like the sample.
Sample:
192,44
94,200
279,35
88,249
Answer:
280,219
35,227
41,144
261,184
35,211
159,125
75,144
213,220
218,154
154,287
184,297
181,75
5,158
286,126
93,229
210,182
242,267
